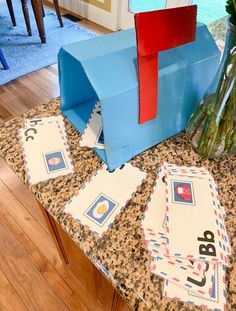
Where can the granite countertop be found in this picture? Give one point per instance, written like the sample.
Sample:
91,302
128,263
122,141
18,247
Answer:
121,252
218,29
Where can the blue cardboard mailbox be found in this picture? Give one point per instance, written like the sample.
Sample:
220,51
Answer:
104,69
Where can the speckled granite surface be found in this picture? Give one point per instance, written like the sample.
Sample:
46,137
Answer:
218,29
121,252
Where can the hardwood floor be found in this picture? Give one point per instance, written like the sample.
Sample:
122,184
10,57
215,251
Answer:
32,276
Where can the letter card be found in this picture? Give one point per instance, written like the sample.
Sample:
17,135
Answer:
93,134
194,227
153,222
201,172
187,276
45,149
101,200
217,299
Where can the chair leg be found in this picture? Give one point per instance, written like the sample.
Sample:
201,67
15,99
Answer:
26,16
57,9
11,11
37,9
3,61
43,8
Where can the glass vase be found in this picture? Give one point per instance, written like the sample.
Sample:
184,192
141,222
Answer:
212,127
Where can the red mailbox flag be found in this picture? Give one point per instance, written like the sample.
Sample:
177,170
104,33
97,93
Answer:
158,31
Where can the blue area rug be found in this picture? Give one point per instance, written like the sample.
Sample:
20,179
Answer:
26,54
208,10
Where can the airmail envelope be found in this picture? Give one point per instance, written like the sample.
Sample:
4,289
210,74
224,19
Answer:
100,201
193,229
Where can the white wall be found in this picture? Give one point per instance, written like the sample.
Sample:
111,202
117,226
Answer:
127,18
118,18
93,13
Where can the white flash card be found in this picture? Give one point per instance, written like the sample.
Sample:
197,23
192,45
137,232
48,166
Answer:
45,150
37,121
189,171
193,229
157,250
154,217
175,270
202,173
93,134
217,299
101,200
156,240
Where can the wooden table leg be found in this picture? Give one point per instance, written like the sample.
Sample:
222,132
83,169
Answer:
37,8
26,16
11,11
57,9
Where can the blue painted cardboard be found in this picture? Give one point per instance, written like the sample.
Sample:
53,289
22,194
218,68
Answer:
104,69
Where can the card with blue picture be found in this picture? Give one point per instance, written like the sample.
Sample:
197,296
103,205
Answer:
55,161
101,209
182,192
195,227
45,148
102,199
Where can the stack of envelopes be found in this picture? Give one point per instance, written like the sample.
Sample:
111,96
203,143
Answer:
185,233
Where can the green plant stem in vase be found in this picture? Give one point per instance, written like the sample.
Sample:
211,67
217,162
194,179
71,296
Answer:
212,127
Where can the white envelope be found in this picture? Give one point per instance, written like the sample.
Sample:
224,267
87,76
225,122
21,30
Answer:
93,134
175,270
217,300
45,149
154,216
102,199
193,229
202,173
37,121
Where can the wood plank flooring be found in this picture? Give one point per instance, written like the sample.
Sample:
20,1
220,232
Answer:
32,276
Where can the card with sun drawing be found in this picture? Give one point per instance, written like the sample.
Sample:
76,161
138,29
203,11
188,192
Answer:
102,199
101,209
